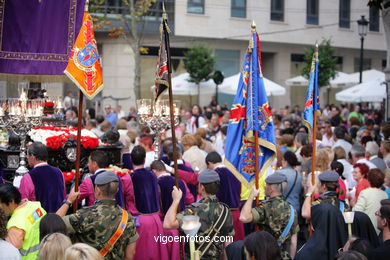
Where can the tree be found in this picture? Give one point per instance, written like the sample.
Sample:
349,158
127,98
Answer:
199,63
326,66
131,15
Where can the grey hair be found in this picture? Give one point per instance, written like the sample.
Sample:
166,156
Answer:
358,150
372,148
302,138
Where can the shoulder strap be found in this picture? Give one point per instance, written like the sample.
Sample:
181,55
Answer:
292,187
215,229
118,233
288,227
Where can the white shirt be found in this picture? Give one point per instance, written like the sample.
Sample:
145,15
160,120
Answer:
149,159
344,144
348,168
8,251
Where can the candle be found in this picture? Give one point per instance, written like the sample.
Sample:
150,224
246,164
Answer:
29,111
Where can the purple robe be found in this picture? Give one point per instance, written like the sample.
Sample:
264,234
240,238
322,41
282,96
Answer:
166,184
193,188
230,188
119,198
145,191
126,160
49,187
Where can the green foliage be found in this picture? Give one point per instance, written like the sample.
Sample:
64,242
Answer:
381,4
199,63
327,63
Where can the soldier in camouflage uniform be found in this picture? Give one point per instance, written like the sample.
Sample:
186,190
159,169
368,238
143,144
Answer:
327,187
273,215
95,225
209,208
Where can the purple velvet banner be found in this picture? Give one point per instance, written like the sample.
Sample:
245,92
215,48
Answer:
37,36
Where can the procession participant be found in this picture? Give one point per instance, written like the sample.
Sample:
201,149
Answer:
43,182
214,216
229,191
147,202
166,182
97,162
275,215
23,225
104,226
327,187
184,166
329,234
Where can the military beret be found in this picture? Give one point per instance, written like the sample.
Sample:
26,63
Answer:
208,176
329,176
276,178
106,177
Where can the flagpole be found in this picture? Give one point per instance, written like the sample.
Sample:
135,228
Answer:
78,146
257,164
314,141
172,112
78,138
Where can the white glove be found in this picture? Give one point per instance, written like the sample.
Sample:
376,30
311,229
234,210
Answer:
168,168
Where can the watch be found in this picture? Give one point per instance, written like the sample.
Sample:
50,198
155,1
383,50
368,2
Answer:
67,202
308,194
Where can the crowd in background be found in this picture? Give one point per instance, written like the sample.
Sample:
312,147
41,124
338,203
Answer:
352,140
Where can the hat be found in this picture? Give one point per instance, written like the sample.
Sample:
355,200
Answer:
208,176
106,177
276,178
329,176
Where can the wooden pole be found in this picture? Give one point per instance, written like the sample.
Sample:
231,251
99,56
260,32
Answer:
172,112
313,161
78,146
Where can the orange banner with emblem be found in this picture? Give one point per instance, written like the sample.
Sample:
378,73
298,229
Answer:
84,67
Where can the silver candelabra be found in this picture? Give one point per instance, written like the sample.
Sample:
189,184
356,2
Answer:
20,115
157,117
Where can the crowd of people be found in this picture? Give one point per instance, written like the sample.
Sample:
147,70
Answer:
139,215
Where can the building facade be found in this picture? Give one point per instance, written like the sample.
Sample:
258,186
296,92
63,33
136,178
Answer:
286,29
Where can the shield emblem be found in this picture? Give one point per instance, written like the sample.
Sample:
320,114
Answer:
88,56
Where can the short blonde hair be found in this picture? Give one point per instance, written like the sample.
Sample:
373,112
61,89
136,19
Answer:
339,152
82,251
189,139
53,246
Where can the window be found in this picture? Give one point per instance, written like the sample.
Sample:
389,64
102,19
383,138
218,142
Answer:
374,19
227,61
238,8
277,10
312,12
366,64
345,13
195,6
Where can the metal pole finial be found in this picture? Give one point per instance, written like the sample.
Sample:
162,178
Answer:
253,24
164,15
86,5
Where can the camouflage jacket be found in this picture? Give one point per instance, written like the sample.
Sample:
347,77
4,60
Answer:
330,197
208,209
96,224
273,216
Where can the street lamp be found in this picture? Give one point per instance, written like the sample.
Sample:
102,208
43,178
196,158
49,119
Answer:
362,29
